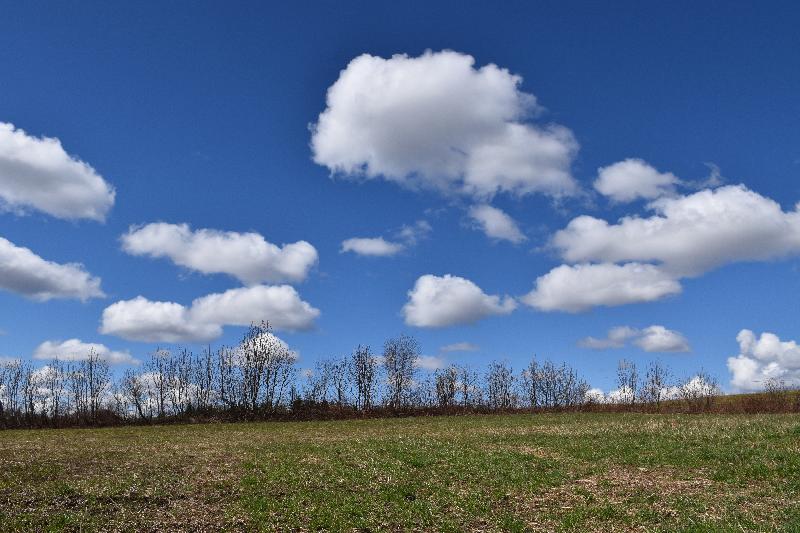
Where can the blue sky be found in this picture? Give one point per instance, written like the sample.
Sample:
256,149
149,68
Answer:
204,115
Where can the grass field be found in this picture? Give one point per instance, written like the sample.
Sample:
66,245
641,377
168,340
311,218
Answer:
517,473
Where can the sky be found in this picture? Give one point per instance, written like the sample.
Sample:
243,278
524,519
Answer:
578,181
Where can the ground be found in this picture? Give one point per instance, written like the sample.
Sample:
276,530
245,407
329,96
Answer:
575,472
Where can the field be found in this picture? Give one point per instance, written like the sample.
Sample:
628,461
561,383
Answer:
514,473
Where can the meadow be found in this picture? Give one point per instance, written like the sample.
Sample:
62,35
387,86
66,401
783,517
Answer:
521,472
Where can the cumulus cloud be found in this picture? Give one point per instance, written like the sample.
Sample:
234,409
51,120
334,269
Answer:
372,246
279,305
36,173
408,236
660,339
762,360
616,338
688,235
437,122
245,256
653,338
641,259
77,350
439,301
632,179
496,224
580,287
140,319
143,320
25,273
460,347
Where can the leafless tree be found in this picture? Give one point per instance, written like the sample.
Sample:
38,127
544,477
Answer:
500,386
98,379
446,381
627,380
135,389
400,357
158,369
655,385
700,391
363,371
469,386
531,385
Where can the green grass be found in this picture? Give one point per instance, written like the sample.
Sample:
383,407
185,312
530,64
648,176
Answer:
572,472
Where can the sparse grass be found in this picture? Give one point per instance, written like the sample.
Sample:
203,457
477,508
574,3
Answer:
572,472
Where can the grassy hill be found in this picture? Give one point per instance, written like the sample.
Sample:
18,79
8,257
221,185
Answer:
567,471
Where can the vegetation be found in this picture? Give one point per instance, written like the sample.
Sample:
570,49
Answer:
258,379
545,472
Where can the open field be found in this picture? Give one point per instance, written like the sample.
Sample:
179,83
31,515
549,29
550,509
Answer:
516,472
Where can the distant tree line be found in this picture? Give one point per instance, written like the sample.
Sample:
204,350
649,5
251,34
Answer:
259,379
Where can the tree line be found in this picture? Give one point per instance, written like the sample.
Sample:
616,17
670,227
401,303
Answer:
260,379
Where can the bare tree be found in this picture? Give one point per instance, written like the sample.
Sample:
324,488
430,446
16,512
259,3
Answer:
500,386
400,357
700,391
98,379
655,386
531,385
363,371
469,386
627,381
446,382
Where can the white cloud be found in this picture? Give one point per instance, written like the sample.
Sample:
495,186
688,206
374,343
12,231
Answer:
653,338
431,362
631,179
762,359
438,301
580,287
460,347
408,236
77,350
616,338
246,256
372,246
688,235
143,320
660,339
496,224
280,305
36,172
140,319
25,273
436,122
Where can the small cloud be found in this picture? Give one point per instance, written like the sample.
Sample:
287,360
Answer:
460,347
650,339
431,362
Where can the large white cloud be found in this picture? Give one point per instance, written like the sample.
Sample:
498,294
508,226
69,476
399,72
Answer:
438,301
688,235
653,338
372,246
36,173
437,122
25,273
246,256
580,287
140,319
632,179
77,350
762,360
496,224
144,320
